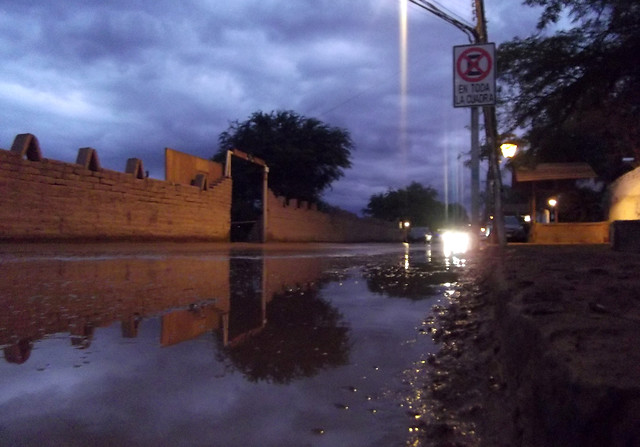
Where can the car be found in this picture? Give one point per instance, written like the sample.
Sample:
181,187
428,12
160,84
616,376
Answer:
514,229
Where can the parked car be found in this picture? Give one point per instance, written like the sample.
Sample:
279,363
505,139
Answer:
514,229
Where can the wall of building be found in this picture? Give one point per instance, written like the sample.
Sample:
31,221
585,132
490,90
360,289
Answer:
570,233
294,221
625,197
44,199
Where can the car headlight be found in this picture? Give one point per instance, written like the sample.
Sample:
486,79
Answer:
455,242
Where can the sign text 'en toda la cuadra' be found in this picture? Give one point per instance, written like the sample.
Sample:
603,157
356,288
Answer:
474,75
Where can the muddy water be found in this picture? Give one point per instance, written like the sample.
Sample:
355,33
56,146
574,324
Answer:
201,345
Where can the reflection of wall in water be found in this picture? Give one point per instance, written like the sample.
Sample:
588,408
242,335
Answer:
186,324
193,296
45,297
283,272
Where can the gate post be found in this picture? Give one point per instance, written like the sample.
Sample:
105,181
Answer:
265,199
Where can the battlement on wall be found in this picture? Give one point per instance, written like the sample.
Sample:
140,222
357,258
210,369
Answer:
42,199
298,221
293,204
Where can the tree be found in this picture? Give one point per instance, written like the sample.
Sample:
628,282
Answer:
415,203
575,91
304,155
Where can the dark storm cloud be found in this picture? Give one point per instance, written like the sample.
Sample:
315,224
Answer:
132,77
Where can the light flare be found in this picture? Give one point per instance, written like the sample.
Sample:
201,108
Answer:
455,242
403,41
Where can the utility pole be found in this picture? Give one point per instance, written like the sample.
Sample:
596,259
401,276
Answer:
478,35
491,132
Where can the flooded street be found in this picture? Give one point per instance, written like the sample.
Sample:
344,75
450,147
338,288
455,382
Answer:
205,345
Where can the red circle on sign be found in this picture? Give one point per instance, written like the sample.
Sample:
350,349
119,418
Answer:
473,70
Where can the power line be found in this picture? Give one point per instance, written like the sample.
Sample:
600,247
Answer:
452,14
389,78
435,9
470,31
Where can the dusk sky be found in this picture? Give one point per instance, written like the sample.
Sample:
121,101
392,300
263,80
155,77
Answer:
131,77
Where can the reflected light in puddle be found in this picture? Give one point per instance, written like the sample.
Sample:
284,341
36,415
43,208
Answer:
406,257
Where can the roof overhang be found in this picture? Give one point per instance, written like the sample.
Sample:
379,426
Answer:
554,171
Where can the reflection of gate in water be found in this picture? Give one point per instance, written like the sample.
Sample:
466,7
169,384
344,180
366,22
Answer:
247,300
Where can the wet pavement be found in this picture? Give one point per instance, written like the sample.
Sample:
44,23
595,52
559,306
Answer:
216,345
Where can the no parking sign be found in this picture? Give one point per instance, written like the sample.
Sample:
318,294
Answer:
474,75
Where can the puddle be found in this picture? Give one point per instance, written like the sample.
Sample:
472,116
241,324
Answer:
307,349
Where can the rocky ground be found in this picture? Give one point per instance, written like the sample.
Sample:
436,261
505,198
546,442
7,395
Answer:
539,347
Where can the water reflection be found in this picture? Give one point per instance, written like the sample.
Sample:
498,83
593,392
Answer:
303,334
271,301
77,296
19,352
419,275
184,349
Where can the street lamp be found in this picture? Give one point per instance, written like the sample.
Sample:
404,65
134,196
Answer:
553,202
404,226
508,149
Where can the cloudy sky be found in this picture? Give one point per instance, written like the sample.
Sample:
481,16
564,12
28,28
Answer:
131,77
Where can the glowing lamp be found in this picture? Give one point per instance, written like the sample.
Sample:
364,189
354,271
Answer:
508,149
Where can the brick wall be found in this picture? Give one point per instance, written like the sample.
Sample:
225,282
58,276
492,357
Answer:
44,199
183,168
295,221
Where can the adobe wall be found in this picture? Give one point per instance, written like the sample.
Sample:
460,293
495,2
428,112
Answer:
625,197
570,233
624,212
295,221
44,199
183,168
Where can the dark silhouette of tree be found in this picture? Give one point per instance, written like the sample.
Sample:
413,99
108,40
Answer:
576,91
415,203
582,205
304,155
